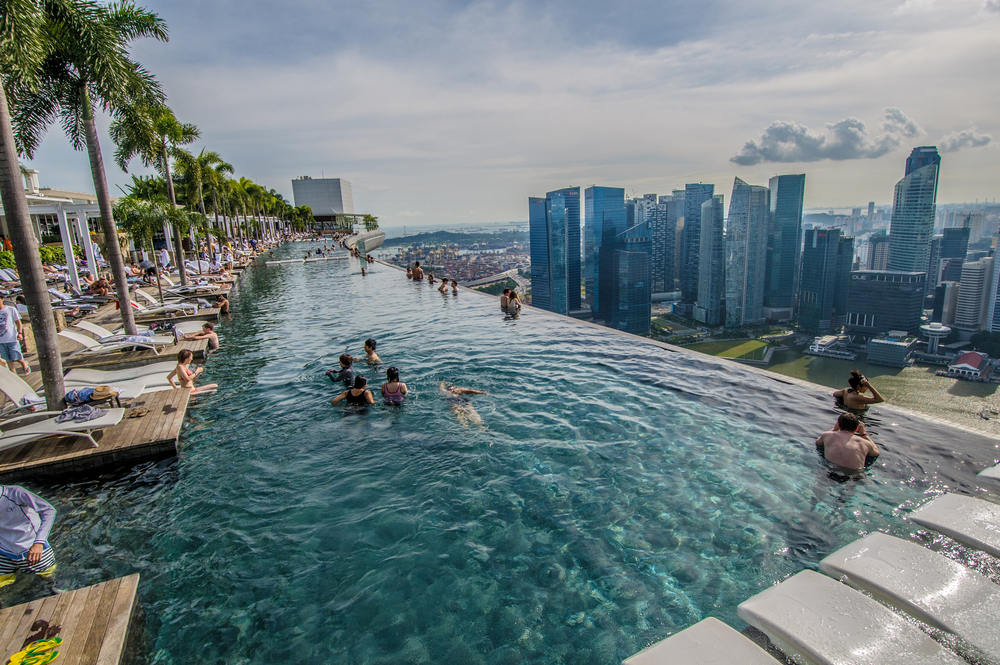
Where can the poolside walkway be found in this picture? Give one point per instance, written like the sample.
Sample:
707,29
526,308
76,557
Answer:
95,624
133,440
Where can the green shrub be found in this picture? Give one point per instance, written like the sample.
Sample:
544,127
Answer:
7,260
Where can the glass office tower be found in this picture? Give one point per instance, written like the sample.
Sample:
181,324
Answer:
826,270
784,245
709,308
746,253
694,196
596,201
913,212
555,244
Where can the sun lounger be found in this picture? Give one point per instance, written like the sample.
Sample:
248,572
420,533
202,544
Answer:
708,642
941,592
21,396
111,377
193,290
49,428
165,309
970,521
102,333
821,621
92,346
156,303
990,475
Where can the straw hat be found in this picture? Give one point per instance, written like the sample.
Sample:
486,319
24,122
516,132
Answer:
103,392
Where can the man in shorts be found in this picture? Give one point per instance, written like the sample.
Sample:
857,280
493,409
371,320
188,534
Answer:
149,271
11,334
25,522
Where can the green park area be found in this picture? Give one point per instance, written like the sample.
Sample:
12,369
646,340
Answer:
747,349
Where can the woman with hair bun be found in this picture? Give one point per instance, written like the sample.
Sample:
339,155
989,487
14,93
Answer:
854,395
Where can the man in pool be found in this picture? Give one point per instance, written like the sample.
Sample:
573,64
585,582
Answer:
418,272
847,444
460,406
25,522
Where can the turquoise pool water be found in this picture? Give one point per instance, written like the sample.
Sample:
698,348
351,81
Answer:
617,492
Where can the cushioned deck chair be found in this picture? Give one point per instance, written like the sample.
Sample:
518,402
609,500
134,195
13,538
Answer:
49,428
708,642
130,382
93,346
154,303
193,290
970,521
103,333
941,592
165,309
21,396
990,475
821,621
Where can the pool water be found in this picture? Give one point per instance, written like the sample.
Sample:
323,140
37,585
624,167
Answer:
616,493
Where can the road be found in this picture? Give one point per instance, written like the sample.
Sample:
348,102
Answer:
522,283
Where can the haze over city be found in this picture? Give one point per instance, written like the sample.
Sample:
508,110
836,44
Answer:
450,112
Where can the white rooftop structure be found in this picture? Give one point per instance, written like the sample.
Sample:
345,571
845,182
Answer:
326,196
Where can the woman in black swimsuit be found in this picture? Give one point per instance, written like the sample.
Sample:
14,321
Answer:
358,395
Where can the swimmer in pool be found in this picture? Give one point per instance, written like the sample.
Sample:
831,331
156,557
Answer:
444,286
359,395
370,356
854,395
460,406
848,444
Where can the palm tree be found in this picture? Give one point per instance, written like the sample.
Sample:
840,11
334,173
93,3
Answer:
22,50
151,132
87,64
141,218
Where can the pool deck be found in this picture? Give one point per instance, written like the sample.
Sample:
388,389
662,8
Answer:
133,440
96,624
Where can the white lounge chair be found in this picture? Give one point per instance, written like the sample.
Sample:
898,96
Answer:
971,521
93,346
821,621
149,373
708,642
941,592
156,303
21,396
165,309
192,290
49,428
990,475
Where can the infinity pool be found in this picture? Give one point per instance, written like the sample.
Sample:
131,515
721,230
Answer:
617,492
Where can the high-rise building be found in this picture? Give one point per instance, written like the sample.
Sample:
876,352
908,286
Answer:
913,212
628,301
973,295
871,209
879,301
709,307
596,201
746,253
327,197
954,248
694,196
945,303
784,245
555,250
614,223
934,264
991,318
663,223
878,251
975,220
823,282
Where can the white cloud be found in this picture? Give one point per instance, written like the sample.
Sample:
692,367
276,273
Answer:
914,6
966,138
991,5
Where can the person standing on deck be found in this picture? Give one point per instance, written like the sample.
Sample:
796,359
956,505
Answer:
11,334
25,522
164,258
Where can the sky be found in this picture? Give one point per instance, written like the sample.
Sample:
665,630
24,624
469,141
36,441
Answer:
446,112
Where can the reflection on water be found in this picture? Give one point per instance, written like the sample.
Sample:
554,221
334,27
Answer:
615,493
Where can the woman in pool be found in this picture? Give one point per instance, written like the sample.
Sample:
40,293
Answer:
460,406
186,377
370,356
513,302
393,390
358,395
854,395
444,286
454,286
409,272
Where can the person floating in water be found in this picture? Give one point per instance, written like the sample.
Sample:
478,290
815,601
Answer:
854,395
460,406
370,356
359,395
847,444
393,390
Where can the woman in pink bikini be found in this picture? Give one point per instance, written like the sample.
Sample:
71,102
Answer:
186,377
394,390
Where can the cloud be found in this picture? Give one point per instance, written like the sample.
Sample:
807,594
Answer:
912,6
784,141
414,213
991,5
967,138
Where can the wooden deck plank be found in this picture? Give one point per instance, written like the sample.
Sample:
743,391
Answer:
9,620
102,618
27,620
121,617
72,618
72,651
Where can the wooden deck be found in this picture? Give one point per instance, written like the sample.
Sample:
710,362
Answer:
96,623
133,440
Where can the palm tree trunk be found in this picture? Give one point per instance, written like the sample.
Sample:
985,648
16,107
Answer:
178,247
29,263
107,220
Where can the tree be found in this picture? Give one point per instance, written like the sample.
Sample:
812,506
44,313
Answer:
371,222
22,50
151,132
141,218
88,63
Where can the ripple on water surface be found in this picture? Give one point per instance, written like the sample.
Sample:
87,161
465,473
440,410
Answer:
616,493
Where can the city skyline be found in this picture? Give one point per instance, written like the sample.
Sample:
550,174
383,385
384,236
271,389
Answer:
450,112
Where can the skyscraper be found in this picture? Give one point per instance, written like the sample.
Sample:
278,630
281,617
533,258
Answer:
973,294
954,248
663,225
596,201
879,301
555,250
913,212
824,281
784,243
709,307
628,300
746,253
694,196
878,251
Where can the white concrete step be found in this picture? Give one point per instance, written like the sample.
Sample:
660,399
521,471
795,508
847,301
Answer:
970,521
708,642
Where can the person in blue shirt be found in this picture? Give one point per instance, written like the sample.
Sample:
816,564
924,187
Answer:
25,522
